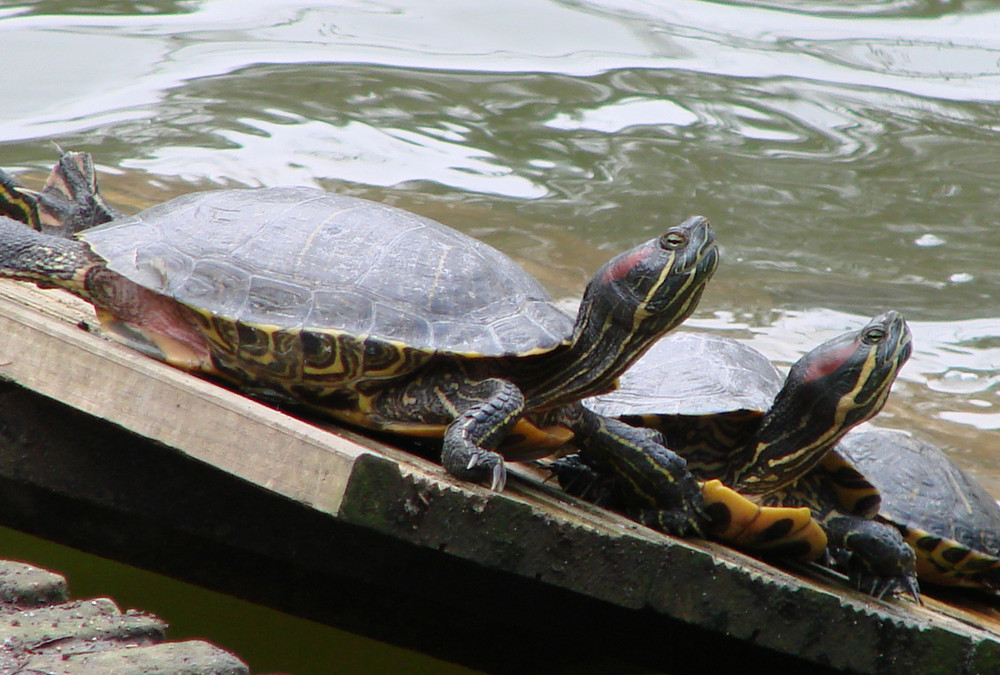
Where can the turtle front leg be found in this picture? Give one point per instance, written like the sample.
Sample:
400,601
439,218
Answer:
469,441
654,484
476,414
873,555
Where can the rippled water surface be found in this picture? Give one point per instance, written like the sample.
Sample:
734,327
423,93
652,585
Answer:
847,153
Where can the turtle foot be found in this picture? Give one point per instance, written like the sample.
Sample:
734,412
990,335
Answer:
70,201
877,560
881,587
670,505
476,466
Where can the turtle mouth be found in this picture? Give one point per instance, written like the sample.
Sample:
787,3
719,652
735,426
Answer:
681,282
896,343
701,255
708,261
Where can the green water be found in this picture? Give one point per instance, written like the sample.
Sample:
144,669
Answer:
269,641
848,154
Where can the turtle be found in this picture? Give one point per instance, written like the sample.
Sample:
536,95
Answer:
709,376
724,408
949,519
368,313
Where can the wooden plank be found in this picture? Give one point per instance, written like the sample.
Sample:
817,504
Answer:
348,518
160,403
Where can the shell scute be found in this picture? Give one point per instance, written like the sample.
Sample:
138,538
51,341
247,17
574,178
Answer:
305,259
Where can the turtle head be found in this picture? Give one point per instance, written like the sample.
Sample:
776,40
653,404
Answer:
642,293
638,296
632,300
838,385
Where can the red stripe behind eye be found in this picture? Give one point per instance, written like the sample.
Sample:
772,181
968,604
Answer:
830,362
624,265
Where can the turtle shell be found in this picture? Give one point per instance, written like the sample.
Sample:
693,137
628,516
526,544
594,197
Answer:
707,394
951,520
707,375
304,259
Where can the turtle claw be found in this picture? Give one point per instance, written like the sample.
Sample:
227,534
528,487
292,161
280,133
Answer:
488,460
874,557
499,477
475,465
882,588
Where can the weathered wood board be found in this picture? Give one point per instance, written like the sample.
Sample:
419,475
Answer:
110,451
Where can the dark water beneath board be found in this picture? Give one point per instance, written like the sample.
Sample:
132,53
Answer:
268,640
847,154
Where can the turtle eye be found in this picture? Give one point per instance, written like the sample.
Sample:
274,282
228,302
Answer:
673,239
873,335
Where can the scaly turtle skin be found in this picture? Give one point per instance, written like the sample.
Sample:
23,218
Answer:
732,419
371,314
948,518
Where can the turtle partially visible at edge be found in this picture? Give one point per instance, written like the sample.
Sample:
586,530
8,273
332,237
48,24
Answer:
949,519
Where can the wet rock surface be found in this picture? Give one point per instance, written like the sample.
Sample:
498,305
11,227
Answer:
43,631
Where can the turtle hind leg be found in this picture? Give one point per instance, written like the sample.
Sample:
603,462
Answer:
68,203
70,200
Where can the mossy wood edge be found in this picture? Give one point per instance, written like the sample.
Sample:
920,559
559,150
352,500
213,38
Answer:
530,530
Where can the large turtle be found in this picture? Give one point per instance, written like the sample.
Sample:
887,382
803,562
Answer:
374,315
946,516
724,408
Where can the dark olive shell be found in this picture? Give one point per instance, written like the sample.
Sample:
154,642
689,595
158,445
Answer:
922,488
693,374
299,258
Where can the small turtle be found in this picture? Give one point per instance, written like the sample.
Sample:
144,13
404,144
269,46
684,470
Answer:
945,515
723,407
368,313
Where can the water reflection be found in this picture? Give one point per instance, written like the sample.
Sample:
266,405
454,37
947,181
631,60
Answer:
355,151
